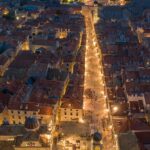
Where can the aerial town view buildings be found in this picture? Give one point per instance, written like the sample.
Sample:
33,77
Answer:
74,75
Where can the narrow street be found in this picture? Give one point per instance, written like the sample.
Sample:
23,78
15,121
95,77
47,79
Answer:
94,93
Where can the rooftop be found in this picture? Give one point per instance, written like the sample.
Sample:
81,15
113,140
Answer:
128,141
71,103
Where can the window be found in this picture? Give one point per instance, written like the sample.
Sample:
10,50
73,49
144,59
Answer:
71,114
19,117
14,122
12,111
18,112
76,114
13,117
25,112
65,113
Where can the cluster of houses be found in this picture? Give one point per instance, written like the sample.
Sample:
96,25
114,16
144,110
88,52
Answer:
123,33
41,66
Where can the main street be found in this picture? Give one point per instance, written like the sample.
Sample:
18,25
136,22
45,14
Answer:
94,92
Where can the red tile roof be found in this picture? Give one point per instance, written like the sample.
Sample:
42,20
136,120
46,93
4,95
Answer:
45,110
71,103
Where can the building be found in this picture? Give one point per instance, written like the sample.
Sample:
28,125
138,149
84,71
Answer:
31,135
71,110
18,112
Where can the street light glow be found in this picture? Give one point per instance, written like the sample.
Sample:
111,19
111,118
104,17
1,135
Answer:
115,109
106,110
17,18
94,43
81,120
105,96
110,127
102,92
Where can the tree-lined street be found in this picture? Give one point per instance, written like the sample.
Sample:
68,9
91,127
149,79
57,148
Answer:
94,95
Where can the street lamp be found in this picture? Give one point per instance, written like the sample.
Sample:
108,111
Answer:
94,43
110,126
102,92
17,18
115,109
81,120
105,96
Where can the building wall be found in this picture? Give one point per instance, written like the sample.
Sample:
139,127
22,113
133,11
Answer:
136,98
18,116
3,115
67,114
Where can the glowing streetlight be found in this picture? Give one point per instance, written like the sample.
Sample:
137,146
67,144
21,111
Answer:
110,126
5,12
17,18
81,120
102,92
105,96
94,43
115,135
115,109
